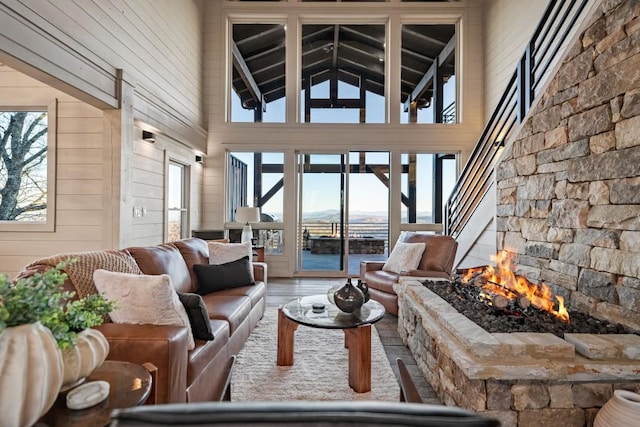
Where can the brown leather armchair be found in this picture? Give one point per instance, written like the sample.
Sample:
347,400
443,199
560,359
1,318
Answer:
437,261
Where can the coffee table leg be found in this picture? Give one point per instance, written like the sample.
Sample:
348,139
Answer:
286,329
358,340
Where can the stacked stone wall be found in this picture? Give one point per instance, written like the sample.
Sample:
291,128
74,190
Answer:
568,186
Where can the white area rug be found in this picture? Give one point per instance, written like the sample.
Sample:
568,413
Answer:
320,367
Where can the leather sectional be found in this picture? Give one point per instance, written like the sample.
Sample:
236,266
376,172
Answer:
183,375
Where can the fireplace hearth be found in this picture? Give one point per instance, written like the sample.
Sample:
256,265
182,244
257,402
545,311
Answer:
524,379
513,315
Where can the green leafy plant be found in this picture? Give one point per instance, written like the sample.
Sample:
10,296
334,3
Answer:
40,297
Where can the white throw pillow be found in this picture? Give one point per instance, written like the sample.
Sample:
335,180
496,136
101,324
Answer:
404,257
222,253
143,299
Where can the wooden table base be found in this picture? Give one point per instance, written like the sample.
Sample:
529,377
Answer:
286,329
356,340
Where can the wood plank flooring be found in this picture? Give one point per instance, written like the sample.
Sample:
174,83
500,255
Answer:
283,290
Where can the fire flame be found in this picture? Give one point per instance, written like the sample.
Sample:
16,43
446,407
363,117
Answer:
501,280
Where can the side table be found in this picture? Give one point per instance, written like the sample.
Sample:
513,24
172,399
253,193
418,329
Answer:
258,252
130,385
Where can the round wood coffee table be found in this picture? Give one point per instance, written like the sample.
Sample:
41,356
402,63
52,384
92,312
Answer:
130,385
356,327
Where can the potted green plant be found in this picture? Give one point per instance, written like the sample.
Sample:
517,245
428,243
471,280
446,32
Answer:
46,341
30,358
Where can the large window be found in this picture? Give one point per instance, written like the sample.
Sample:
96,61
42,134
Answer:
343,74
427,181
177,201
258,93
428,74
27,168
342,69
256,179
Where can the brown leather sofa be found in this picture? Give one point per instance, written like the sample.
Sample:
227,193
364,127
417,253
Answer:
437,261
183,375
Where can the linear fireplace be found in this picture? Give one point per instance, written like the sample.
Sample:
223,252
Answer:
523,378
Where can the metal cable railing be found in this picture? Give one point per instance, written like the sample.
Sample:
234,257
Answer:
548,40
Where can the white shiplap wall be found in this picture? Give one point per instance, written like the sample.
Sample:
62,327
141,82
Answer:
80,43
80,177
83,217
148,187
508,27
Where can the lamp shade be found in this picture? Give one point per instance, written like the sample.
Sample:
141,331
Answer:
246,214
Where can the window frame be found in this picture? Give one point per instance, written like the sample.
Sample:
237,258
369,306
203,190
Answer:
52,120
185,209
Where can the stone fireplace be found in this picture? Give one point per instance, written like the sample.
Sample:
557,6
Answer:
568,209
568,186
522,379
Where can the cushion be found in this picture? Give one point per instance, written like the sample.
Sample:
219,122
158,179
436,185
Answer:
198,316
439,253
143,299
404,257
222,253
223,276
194,251
164,259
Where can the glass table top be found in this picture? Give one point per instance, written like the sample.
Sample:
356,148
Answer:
301,310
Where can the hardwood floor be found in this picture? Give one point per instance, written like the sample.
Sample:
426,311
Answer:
283,290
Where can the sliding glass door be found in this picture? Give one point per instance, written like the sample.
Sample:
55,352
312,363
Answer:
342,211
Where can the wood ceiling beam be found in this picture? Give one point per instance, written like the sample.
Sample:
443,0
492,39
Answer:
426,80
406,30
245,74
352,30
260,35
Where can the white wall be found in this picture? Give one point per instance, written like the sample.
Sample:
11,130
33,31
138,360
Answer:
78,46
81,178
508,26
85,168
395,137
148,187
110,63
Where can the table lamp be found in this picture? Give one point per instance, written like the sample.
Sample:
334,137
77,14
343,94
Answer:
246,214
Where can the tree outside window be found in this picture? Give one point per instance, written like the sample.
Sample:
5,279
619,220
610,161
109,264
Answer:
23,166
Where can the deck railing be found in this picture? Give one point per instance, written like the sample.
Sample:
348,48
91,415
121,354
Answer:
549,38
375,230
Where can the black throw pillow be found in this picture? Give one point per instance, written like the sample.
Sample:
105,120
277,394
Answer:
233,274
198,316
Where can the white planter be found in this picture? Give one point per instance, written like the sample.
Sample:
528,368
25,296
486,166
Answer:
90,351
30,373
622,410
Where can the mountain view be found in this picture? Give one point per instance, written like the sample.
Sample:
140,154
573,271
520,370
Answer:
373,217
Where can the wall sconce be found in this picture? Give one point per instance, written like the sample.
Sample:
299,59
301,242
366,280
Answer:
199,159
148,136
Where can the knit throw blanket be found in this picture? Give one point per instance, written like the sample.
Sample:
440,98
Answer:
81,272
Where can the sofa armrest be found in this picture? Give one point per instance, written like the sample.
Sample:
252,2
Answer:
163,346
370,266
260,272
